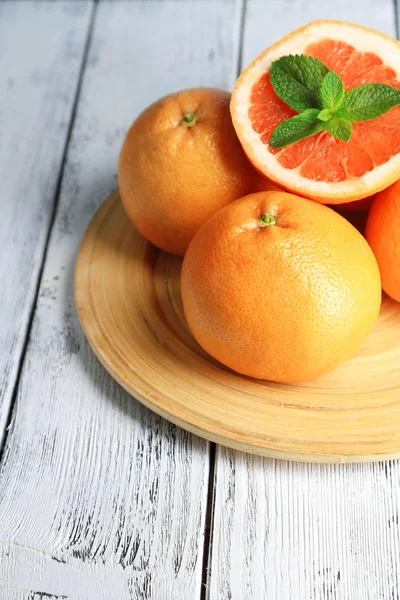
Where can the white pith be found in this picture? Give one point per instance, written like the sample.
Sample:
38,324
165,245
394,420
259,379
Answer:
364,41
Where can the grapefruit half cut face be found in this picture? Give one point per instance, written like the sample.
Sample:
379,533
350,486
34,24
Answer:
322,167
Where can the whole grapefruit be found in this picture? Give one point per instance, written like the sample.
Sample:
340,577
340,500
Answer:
181,161
278,287
383,235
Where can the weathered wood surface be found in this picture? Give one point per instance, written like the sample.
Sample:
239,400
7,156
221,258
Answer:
397,16
306,532
99,498
41,49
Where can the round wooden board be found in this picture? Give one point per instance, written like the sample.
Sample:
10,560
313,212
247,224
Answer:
129,303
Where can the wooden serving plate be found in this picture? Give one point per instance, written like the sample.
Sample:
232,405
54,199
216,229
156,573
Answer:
129,303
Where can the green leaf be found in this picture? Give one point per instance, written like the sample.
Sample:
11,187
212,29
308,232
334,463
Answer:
297,79
332,91
325,114
339,128
297,128
318,95
368,101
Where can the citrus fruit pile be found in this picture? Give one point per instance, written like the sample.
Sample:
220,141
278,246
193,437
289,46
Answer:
275,285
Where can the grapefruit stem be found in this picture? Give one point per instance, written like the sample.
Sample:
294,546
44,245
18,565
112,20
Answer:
189,119
266,220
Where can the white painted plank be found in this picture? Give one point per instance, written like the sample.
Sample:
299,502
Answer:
397,10
41,48
99,498
266,21
294,531
311,532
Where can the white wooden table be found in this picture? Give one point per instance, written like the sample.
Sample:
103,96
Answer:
99,498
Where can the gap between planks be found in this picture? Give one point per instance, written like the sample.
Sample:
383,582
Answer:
209,522
129,549
49,229
306,531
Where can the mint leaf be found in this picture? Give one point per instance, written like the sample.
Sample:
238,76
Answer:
325,114
332,91
368,101
296,79
308,71
297,128
339,128
318,95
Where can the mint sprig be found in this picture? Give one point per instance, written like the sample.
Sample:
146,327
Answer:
317,94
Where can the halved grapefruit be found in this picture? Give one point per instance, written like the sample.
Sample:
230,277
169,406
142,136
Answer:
322,167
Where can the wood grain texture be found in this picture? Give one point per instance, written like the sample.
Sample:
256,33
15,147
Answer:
129,301
100,498
289,530
266,21
311,532
397,15
41,48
